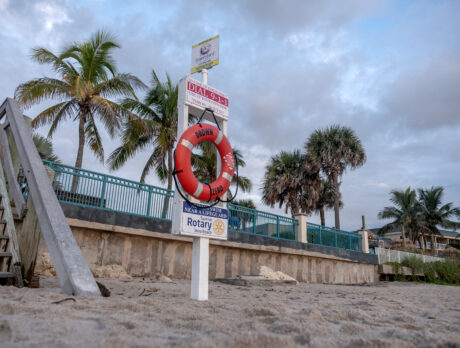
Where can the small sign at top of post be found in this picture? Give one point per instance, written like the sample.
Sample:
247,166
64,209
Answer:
205,54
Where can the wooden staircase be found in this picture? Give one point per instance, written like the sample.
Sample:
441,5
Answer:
9,272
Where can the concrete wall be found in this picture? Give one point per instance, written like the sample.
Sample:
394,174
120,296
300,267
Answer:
145,253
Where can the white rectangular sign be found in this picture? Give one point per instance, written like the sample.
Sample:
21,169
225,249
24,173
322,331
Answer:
205,96
205,54
210,222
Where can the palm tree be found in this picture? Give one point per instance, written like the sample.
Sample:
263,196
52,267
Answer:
88,78
404,213
204,166
335,148
154,126
288,183
433,213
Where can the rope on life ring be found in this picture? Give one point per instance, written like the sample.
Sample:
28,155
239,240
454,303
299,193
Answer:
183,167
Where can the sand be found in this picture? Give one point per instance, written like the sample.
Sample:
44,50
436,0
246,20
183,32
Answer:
149,313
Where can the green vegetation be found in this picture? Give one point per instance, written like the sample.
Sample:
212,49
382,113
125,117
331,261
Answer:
438,272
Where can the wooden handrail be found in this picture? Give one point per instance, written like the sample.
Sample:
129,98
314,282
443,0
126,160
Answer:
72,270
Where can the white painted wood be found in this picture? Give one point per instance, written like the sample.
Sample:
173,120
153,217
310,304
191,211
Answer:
200,269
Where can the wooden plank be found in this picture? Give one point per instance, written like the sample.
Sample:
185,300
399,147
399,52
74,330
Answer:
72,270
16,193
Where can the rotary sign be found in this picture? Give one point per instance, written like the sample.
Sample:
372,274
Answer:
211,222
205,54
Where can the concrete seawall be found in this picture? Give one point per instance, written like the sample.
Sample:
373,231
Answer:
145,253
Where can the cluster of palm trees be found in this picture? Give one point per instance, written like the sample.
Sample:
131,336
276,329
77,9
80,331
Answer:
419,213
310,181
87,83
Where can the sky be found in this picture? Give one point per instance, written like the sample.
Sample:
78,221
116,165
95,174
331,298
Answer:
390,70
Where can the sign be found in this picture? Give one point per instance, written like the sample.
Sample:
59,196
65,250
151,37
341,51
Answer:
211,222
205,54
205,96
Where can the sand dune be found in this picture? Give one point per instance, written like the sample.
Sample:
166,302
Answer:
148,313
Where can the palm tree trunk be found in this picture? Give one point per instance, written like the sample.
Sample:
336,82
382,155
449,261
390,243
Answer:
321,214
336,201
404,237
170,178
433,244
422,243
81,145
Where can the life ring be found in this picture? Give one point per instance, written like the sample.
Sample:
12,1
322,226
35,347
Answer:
183,154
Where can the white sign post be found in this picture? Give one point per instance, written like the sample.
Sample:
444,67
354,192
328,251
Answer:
194,97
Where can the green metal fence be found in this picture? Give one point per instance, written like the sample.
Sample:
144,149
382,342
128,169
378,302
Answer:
331,237
246,220
91,189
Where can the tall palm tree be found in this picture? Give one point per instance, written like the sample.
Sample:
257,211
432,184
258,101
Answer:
285,183
87,80
204,164
404,213
154,126
433,213
336,148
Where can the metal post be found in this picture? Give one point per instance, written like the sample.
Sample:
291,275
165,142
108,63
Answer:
149,201
320,237
335,237
277,226
104,184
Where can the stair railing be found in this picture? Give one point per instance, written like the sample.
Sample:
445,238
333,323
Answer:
72,270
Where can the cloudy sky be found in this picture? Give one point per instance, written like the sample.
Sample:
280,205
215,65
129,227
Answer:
388,69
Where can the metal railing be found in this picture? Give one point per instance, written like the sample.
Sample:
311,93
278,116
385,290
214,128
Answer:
246,220
90,189
107,192
388,255
331,237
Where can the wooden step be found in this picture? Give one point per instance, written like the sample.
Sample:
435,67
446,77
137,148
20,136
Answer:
6,254
6,275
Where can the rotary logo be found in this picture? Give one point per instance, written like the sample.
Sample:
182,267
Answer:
218,227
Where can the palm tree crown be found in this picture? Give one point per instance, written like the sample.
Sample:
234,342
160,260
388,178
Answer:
404,213
288,182
336,148
155,126
87,79
433,213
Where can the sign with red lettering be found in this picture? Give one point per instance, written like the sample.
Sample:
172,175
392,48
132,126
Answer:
205,96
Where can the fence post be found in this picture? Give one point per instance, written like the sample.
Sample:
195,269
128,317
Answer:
349,241
254,216
301,230
364,241
104,184
335,237
320,236
277,226
149,201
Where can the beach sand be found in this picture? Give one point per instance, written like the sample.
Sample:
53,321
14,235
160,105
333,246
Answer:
148,313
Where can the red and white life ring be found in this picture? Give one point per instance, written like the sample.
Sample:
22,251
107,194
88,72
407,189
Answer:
183,154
